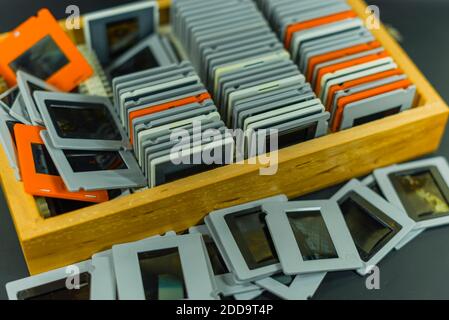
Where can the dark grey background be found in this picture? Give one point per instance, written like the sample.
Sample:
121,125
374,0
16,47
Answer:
418,271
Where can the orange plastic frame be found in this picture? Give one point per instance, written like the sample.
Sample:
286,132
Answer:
26,35
314,23
344,101
339,66
339,54
45,185
350,84
173,104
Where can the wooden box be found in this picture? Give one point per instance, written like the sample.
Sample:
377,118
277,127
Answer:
303,168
